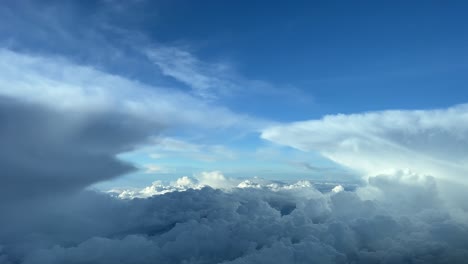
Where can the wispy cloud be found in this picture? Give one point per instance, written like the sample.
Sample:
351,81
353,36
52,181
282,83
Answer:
207,80
210,80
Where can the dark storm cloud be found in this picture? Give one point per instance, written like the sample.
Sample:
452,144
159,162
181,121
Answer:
45,151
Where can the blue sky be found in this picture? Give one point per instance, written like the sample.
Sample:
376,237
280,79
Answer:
227,71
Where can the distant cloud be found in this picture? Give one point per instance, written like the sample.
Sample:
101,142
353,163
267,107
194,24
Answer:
153,168
168,147
433,142
311,167
213,179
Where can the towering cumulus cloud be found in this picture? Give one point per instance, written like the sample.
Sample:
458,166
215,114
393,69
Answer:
432,142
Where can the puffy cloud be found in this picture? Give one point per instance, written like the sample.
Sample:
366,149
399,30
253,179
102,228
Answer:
297,224
432,142
216,180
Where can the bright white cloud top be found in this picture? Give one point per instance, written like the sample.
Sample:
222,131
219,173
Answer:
427,142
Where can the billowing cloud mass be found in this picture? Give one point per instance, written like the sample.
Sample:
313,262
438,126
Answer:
431,142
388,221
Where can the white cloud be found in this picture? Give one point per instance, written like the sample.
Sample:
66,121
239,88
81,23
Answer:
213,179
433,142
62,85
217,180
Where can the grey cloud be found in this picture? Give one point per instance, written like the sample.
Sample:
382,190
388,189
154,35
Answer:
45,151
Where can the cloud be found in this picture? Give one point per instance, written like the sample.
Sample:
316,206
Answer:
432,142
153,168
213,179
45,152
85,34
63,85
293,224
207,80
64,124
216,79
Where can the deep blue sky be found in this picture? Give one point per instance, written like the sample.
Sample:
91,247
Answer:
350,56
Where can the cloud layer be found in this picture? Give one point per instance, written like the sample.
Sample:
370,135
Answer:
388,221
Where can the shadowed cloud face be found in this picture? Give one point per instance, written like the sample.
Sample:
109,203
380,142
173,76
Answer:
45,151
